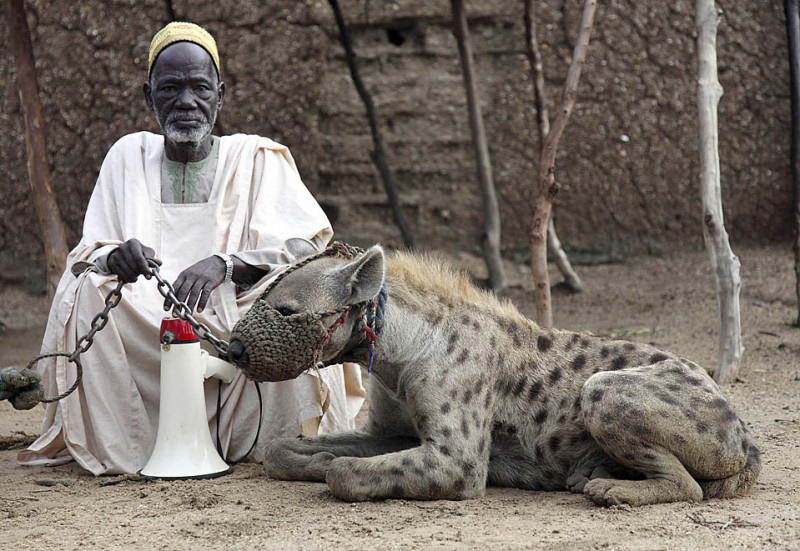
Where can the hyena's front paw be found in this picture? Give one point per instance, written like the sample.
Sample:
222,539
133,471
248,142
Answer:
348,481
283,462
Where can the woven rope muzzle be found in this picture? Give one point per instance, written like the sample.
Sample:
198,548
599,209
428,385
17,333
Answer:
278,347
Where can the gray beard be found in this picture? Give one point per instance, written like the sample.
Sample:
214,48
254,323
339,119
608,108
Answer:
187,135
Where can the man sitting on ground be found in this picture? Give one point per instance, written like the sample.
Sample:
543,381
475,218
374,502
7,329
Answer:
217,212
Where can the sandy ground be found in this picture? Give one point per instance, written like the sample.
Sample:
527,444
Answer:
668,301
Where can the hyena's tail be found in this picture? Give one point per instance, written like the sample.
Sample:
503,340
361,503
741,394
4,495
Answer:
738,484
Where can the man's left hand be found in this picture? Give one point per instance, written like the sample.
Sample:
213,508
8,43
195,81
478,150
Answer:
197,281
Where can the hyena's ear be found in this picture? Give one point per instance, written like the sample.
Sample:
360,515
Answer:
299,248
362,278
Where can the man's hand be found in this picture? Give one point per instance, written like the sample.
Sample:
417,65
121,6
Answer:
197,281
129,260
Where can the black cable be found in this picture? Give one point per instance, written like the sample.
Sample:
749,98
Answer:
258,429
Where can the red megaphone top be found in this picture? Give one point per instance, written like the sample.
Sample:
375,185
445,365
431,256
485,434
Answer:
176,331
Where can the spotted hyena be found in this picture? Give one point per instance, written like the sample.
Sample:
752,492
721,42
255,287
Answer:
466,391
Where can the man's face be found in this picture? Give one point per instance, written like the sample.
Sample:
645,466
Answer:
185,92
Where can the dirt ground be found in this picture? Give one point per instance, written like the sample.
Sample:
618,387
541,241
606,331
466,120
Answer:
668,301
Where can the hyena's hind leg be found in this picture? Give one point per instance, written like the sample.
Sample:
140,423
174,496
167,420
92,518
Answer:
669,422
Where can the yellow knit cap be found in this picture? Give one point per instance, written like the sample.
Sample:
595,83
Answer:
180,31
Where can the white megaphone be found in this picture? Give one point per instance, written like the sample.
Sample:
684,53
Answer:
184,448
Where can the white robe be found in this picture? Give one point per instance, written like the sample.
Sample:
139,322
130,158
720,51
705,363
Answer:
257,202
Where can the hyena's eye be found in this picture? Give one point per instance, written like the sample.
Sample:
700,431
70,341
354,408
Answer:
285,310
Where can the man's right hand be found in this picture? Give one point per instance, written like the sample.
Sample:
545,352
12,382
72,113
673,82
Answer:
129,260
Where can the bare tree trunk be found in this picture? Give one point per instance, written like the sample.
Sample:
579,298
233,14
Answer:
793,33
548,187
571,278
491,210
378,154
50,222
724,262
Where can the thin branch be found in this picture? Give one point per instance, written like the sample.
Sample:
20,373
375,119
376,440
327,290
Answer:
571,278
723,261
378,154
548,186
793,35
491,210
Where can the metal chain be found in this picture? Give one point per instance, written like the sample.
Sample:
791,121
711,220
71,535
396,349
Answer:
179,309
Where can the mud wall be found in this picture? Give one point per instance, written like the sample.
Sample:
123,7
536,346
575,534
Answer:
627,162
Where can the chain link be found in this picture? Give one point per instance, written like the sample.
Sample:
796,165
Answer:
182,311
179,309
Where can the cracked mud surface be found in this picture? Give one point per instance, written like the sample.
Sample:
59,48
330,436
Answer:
668,301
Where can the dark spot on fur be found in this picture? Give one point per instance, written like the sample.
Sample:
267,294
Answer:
562,418
584,343
582,436
579,362
728,415
534,390
464,428
418,471
476,325
430,463
604,352
451,343
395,471
555,375
407,461
459,485
501,361
454,393
721,435
479,386
658,357
422,422
701,427
445,409
554,442
482,445
718,403
629,346
519,387
694,381
488,401
596,395
576,405
397,490
666,398
465,320
541,417
467,396
444,450
628,456
543,343
619,362
673,387
463,356
606,419
649,456
493,342
446,432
